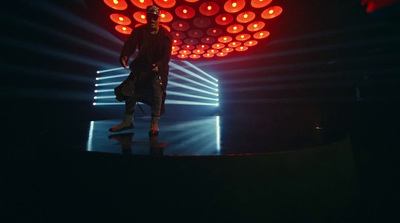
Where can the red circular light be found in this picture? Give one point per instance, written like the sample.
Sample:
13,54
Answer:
195,33
218,46
191,41
183,56
207,40
235,28
202,22
213,51
142,3
116,4
175,48
245,17
241,48
271,12
260,3
194,56
251,43
243,37
140,17
214,31
233,6
224,39
123,29
209,8
176,42
255,26
224,19
165,3
218,27
180,25
166,27
202,47
227,50
178,35
185,12
165,16
186,52
208,55
222,54
234,44
187,47
261,34
198,51
120,19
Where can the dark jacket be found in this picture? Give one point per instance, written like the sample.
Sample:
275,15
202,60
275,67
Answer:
153,49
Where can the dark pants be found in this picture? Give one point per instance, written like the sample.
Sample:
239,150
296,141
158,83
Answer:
146,86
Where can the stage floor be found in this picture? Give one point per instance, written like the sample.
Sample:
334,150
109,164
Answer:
208,136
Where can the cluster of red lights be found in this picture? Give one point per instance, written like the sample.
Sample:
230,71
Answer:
201,28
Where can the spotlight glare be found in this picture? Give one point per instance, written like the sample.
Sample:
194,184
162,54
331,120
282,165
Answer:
109,70
112,76
107,84
105,90
104,97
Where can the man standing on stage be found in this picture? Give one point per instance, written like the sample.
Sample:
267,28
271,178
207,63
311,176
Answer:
148,79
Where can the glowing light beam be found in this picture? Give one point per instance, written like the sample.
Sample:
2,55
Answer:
112,76
201,71
191,73
190,88
190,95
192,81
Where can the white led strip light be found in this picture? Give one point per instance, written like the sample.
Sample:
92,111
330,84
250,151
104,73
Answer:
187,85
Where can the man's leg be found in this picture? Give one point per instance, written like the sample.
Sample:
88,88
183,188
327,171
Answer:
156,105
127,123
130,102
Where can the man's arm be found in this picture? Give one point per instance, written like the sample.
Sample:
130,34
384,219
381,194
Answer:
129,47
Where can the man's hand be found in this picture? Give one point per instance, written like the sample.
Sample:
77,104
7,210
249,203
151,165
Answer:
155,68
123,61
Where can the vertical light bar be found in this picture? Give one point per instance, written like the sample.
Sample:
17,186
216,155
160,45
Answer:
218,134
90,138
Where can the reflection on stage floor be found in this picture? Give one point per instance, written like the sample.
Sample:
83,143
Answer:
206,136
185,137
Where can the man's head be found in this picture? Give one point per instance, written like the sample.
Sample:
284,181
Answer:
153,16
